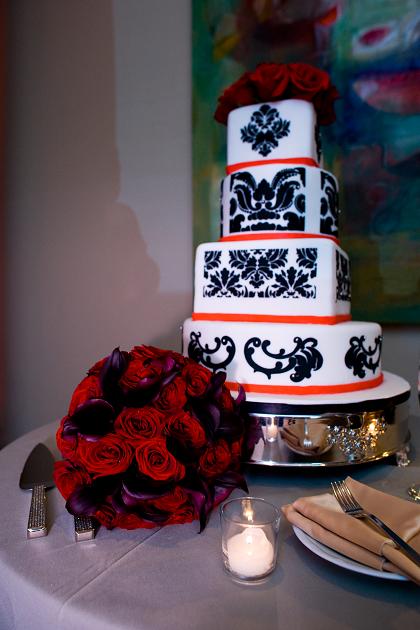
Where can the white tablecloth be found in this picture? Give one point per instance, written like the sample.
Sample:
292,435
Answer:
173,577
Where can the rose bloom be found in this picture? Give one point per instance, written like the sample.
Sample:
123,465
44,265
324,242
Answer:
186,429
66,446
216,459
177,504
271,80
172,396
239,94
68,477
135,423
197,379
137,372
97,368
155,461
87,389
306,80
144,353
110,455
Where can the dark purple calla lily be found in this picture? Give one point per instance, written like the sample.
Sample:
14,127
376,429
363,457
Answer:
92,419
201,495
83,501
110,375
232,479
135,490
207,413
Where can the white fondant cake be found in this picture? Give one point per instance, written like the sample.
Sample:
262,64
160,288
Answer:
276,280
271,131
289,358
272,297
280,198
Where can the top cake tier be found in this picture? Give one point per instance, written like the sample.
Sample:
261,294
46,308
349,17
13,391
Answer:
283,131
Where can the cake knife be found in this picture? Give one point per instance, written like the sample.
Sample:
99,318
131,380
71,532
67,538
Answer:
37,475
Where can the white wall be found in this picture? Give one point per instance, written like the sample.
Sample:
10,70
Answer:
99,215
99,225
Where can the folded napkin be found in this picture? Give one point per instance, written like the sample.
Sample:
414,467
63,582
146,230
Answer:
322,518
293,434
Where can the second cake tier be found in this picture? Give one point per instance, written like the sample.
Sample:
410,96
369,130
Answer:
279,280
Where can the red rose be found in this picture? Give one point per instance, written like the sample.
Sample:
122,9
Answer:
239,94
185,428
215,459
105,515
150,352
96,369
172,397
67,446
155,461
87,389
177,504
110,455
271,81
68,477
274,82
132,521
137,371
306,80
135,423
197,379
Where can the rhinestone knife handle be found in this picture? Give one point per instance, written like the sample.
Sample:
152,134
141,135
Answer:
37,521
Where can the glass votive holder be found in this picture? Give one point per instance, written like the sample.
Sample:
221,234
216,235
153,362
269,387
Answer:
250,530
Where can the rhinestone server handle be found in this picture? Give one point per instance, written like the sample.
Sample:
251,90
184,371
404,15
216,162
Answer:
84,528
37,522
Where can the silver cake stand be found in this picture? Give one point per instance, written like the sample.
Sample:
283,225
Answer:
338,430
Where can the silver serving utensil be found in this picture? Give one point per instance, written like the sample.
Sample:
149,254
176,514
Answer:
37,475
84,528
350,506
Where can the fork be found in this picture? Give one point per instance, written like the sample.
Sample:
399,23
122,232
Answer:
350,506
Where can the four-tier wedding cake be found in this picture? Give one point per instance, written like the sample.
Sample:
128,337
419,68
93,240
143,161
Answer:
272,296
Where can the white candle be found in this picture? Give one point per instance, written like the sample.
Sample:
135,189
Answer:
250,553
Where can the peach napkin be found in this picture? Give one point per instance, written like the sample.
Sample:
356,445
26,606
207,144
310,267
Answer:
322,518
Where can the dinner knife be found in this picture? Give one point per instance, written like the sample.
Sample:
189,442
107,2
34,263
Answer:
37,475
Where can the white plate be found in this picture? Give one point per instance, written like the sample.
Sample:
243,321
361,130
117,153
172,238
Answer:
342,561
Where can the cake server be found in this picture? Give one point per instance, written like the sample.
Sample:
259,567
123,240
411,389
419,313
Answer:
37,475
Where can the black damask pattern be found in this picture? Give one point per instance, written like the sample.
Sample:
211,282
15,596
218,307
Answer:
264,130
303,359
329,204
359,358
342,268
265,206
205,355
262,273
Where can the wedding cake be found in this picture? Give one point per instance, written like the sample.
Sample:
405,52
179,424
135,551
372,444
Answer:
272,297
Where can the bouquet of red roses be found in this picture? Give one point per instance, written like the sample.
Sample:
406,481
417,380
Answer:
279,81
151,438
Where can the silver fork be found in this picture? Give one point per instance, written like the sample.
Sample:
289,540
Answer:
350,506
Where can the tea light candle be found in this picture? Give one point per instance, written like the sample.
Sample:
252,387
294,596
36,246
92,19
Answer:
250,553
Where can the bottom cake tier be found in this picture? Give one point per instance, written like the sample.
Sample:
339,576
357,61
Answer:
289,359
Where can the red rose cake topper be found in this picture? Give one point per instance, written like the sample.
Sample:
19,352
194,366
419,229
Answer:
275,82
151,438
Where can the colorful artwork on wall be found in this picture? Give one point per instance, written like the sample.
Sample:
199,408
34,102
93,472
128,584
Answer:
371,49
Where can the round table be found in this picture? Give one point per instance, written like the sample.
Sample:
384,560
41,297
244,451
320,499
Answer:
173,577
